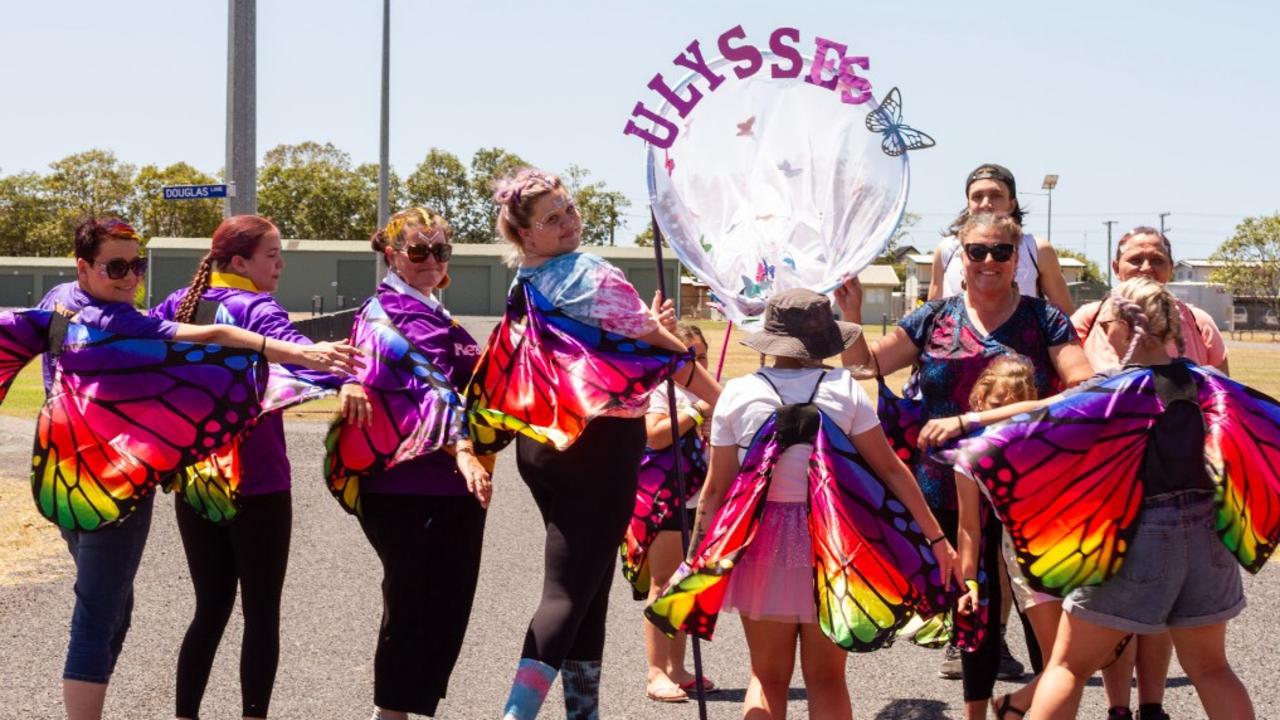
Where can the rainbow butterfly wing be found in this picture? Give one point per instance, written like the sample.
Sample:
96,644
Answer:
211,487
414,409
656,499
125,412
23,335
1242,445
901,420
1064,479
695,592
873,569
546,375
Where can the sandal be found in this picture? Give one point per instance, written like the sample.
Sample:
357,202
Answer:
707,685
668,694
1003,706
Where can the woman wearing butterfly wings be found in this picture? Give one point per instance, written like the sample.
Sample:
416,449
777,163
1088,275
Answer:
1131,455
109,269
581,440
410,473
953,340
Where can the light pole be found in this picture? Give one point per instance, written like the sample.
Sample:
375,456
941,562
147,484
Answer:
384,140
1163,215
1109,223
242,167
1050,182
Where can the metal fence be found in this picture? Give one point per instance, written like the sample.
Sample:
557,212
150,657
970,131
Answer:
334,326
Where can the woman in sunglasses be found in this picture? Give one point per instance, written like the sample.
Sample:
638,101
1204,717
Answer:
239,273
424,517
953,340
109,269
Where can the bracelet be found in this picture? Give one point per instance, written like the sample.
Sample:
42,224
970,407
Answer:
960,423
467,449
971,584
937,540
263,350
696,414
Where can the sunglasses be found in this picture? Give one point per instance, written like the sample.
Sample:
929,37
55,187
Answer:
419,253
1000,252
117,268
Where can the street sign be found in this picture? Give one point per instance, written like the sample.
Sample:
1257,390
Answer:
198,192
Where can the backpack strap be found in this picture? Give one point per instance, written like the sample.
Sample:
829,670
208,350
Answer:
1089,327
817,385
57,333
206,312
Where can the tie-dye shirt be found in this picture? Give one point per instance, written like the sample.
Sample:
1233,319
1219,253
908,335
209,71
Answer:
591,290
953,353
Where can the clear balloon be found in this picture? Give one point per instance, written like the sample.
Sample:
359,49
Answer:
774,184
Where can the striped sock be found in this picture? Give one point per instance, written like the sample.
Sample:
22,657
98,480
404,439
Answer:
581,680
533,680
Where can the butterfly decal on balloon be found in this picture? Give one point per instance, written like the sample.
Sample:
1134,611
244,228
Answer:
886,119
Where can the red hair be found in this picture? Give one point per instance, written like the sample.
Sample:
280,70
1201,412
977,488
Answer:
238,235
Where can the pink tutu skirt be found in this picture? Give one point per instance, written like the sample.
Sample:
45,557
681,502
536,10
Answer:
774,579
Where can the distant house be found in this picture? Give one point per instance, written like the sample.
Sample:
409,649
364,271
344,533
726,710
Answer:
1072,269
1195,270
919,266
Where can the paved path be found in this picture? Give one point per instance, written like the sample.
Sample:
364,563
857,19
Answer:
332,606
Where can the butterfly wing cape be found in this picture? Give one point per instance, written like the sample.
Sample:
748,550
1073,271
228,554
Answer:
873,569
1064,479
774,184
123,413
546,375
656,499
415,410
1243,451
23,335
211,486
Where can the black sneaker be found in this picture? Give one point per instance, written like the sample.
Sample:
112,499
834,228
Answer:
1010,668
1119,713
950,667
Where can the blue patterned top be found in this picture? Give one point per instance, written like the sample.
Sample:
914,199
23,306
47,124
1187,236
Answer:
953,353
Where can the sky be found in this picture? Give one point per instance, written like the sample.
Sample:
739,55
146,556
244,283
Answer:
1140,108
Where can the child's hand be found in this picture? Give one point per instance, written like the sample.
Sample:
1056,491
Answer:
968,602
939,430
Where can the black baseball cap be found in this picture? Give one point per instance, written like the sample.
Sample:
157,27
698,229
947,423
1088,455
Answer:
992,171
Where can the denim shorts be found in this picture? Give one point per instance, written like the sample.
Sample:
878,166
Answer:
1177,573
106,562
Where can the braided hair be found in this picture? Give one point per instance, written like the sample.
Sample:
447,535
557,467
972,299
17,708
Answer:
1150,311
238,235
515,196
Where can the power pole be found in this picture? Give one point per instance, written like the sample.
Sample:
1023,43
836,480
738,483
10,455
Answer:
1109,223
384,140
1163,215
242,133
613,219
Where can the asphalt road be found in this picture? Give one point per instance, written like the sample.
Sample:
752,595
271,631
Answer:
331,609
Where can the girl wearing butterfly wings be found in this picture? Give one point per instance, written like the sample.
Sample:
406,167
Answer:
1131,461
580,418
109,269
238,275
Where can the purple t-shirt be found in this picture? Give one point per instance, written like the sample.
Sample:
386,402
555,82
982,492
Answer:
115,317
452,349
264,462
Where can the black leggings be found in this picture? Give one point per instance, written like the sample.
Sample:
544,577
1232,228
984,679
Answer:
981,666
586,495
253,551
430,552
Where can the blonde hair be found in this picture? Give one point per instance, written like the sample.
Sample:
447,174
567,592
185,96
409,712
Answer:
1012,373
515,196
1150,311
1003,224
396,233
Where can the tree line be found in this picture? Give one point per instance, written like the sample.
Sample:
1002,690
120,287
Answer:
310,190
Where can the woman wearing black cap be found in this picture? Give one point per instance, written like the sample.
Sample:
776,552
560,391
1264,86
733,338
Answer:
991,188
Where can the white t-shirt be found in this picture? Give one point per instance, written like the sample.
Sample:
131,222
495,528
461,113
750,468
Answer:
747,402
658,406
1027,275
